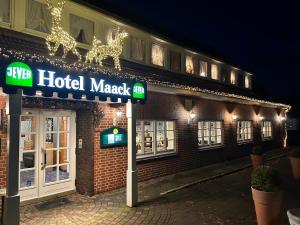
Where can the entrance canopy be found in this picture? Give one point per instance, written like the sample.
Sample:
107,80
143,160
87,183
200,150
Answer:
32,75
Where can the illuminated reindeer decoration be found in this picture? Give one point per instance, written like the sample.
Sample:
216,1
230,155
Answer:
58,36
114,49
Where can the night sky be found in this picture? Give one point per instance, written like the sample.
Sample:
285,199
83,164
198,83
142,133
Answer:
260,37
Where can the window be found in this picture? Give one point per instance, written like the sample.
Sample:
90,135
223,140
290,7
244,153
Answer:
233,77
247,81
189,64
203,68
37,16
214,72
244,131
154,138
266,130
209,133
5,11
81,29
175,61
138,49
158,55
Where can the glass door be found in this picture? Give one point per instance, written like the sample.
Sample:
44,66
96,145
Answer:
57,152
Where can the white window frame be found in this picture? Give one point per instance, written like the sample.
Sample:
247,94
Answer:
155,153
241,125
266,130
210,145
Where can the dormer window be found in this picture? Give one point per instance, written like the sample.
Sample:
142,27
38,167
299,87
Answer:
203,68
233,77
4,11
37,16
138,49
81,29
214,72
247,81
189,64
158,55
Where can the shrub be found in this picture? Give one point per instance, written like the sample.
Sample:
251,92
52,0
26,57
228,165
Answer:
265,178
295,153
257,150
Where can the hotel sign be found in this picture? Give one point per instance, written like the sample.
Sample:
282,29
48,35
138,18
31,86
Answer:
48,79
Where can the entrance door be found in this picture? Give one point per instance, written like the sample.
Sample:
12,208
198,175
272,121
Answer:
47,153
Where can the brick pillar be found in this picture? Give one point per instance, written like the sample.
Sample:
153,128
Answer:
85,155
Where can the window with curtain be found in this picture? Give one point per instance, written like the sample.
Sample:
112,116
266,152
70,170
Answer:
5,11
189,64
214,72
247,81
175,61
244,131
266,130
137,49
203,68
158,55
154,138
209,133
111,35
81,29
38,16
233,77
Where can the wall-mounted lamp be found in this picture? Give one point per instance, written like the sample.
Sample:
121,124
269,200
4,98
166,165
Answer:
191,116
281,118
261,118
118,115
234,117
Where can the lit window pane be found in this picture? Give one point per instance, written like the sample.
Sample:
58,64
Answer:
214,72
247,82
203,68
189,64
27,178
158,55
233,77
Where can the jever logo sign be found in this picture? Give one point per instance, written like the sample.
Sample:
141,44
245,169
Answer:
138,91
19,74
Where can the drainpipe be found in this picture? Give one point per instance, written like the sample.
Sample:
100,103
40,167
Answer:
131,183
11,215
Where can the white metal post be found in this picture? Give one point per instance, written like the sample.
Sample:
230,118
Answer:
131,184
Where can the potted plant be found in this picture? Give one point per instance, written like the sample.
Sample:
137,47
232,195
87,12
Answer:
294,157
257,156
267,195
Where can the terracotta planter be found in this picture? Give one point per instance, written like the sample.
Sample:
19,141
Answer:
257,160
267,207
295,164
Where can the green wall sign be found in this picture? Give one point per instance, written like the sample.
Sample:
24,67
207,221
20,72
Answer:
138,91
19,74
113,137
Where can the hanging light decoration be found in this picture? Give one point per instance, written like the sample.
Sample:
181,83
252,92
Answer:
58,36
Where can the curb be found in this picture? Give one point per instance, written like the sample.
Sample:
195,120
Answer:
217,176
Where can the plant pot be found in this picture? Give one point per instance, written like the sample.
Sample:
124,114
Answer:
267,206
294,216
295,164
257,160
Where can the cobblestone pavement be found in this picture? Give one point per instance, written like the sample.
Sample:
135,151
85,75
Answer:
223,201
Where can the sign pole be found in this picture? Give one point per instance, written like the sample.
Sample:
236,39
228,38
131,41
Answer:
11,215
131,184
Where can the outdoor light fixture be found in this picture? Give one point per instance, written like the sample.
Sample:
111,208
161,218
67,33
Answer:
234,117
118,114
281,118
261,118
191,116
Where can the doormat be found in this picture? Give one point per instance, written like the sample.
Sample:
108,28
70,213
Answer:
52,204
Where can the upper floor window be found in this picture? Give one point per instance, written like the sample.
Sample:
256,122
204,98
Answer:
233,77
38,16
209,133
266,130
5,11
247,81
138,49
154,137
214,72
158,55
81,29
175,61
189,64
203,68
244,131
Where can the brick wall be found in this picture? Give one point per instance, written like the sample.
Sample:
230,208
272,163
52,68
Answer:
3,136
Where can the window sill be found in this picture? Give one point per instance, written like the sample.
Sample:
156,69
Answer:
209,147
160,155
267,139
244,142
